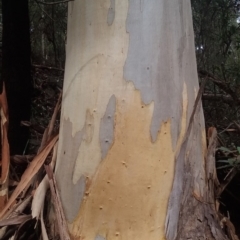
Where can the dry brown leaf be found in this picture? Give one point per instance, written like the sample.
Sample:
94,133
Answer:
32,169
15,220
5,163
18,208
54,116
40,193
44,140
22,159
22,205
49,130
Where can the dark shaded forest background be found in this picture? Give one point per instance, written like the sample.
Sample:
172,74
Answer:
217,43
33,78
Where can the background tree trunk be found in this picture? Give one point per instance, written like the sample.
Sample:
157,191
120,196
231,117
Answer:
16,66
131,161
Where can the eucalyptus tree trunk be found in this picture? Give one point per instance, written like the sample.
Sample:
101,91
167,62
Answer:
131,157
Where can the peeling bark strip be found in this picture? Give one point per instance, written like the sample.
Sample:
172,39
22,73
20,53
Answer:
183,176
197,218
5,153
62,225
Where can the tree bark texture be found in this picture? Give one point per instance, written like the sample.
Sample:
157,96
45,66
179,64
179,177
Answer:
131,161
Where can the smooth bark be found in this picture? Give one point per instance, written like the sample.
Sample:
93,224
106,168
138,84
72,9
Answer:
131,160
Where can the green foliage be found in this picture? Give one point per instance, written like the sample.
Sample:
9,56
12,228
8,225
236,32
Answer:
48,32
217,39
216,34
229,158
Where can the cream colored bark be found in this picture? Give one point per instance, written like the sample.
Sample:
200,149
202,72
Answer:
129,89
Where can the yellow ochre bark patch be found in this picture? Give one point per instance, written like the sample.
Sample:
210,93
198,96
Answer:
128,196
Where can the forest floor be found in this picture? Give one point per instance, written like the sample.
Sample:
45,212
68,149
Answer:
48,85
47,88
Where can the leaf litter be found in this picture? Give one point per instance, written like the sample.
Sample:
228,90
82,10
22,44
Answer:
26,179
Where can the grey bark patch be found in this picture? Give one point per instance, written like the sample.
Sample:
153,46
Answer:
106,132
98,237
88,127
158,59
111,13
70,193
